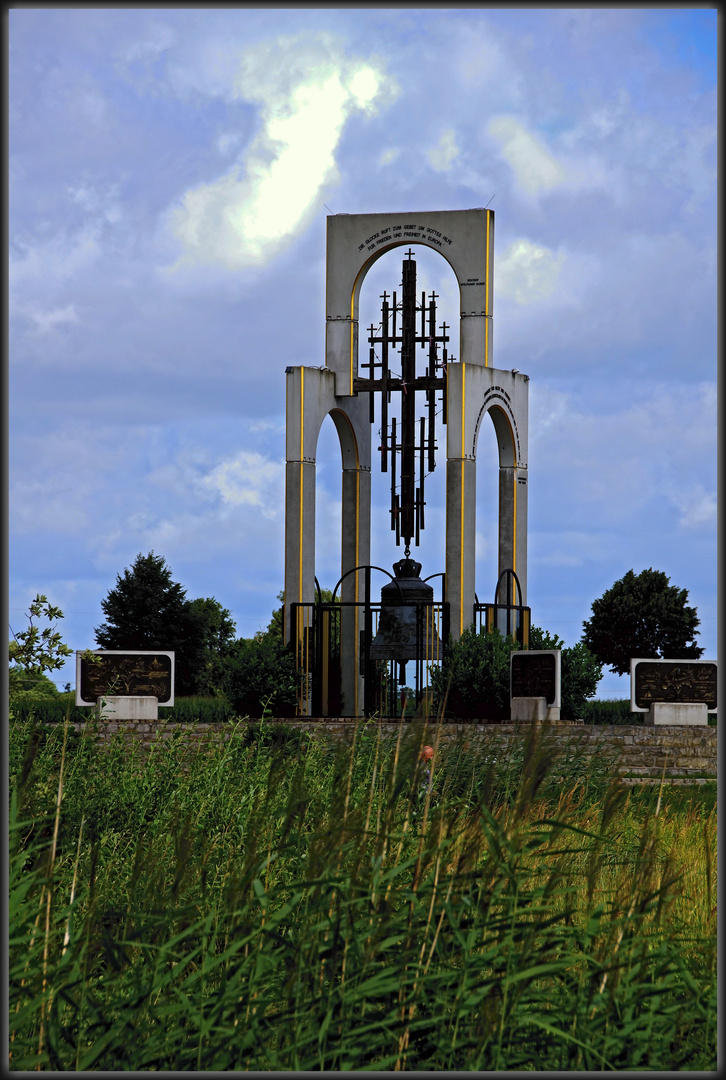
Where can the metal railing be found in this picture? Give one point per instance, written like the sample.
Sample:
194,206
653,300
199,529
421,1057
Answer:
510,618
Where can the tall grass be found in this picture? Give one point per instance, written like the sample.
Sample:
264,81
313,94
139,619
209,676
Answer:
286,902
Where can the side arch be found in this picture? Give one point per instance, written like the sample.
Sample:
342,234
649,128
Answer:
347,441
512,509
354,443
505,428
472,391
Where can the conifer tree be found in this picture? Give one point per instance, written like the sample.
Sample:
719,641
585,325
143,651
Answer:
148,610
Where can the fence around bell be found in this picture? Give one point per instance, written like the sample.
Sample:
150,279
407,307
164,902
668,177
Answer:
319,642
511,620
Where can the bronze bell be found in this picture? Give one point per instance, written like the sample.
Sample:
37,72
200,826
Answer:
396,637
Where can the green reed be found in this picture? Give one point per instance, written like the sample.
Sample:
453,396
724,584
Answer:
287,902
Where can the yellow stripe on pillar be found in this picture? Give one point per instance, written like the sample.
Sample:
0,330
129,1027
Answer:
461,523
487,300
302,482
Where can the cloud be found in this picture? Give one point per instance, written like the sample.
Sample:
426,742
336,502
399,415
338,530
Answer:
697,506
46,321
389,156
444,153
306,91
249,479
624,458
57,259
535,168
159,39
567,547
539,171
44,267
527,272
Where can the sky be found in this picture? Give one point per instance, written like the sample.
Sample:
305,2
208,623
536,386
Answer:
170,176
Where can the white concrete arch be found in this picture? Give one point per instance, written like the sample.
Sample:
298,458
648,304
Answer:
367,266
464,238
347,440
472,392
510,427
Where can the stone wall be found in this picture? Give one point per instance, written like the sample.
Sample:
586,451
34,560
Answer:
683,751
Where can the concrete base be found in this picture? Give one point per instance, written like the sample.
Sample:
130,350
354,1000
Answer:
128,708
527,709
682,712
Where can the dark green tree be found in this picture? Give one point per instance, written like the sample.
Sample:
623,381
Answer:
261,671
218,630
274,627
580,672
148,610
641,615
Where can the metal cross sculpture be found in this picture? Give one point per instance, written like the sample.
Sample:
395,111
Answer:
415,441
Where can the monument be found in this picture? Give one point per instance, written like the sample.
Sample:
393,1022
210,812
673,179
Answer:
673,691
535,685
126,684
346,389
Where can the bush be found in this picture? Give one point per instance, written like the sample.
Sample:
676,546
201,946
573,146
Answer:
473,679
48,710
262,675
475,672
580,672
186,710
618,712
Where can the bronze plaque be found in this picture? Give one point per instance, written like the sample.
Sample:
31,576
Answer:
534,675
119,674
675,682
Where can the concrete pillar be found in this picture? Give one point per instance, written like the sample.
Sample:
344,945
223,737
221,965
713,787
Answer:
460,503
355,552
460,542
302,428
475,339
299,532
513,528
341,352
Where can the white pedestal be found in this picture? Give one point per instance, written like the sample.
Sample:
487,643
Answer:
527,709
128,708
682,712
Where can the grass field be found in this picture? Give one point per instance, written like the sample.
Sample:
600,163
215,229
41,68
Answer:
291,903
